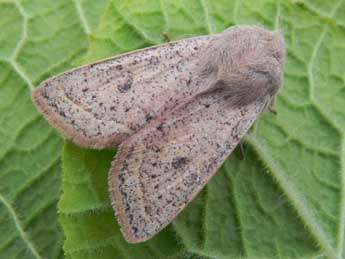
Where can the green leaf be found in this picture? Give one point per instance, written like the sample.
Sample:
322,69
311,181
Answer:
286,199
35,42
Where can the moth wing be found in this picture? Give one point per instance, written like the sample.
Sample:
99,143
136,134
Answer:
101,104
160,169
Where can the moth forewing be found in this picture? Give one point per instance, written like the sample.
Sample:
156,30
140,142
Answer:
161,168
101,104
177,110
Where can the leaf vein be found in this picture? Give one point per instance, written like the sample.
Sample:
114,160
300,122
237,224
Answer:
278,14
134,27
294,195
82,17
19,227
209,23
19,46
341,231
236,207
236,7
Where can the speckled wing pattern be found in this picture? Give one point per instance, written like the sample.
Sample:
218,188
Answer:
177,111
101,104
160,169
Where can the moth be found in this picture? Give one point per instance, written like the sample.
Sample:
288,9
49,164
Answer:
176,111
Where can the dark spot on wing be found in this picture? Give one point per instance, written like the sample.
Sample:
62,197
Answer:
154,61
148,117
156,149
147,209
179,162
126,86
160,127
62,113
188,82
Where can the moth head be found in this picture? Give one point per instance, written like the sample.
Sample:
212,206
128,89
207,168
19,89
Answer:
247,64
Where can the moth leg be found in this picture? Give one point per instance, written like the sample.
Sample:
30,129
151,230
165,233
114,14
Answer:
271,106
240,150
274,111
